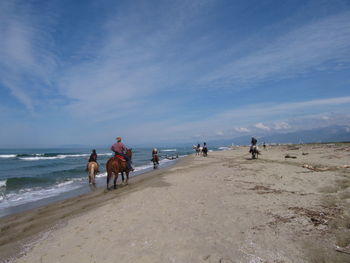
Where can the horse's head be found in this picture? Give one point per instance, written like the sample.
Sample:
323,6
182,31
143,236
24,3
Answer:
129,152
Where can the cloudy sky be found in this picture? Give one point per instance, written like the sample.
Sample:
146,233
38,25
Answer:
163,72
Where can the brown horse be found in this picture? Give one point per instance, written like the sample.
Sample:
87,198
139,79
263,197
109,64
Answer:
155,161
114,166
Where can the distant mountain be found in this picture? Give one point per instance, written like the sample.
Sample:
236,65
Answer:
319,135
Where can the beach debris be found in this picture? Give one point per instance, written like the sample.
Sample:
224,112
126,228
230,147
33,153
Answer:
279,219
343,249
260,187
265,190
290,156
305,153
323,169
292,147
318,217
317,169
343,149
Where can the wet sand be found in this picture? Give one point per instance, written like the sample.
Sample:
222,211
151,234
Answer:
290,205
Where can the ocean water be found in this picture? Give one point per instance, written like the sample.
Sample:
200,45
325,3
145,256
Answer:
33,177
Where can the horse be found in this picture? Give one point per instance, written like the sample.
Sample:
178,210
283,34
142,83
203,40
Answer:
197,149
205,151
255,152
92,171
115,165
155,161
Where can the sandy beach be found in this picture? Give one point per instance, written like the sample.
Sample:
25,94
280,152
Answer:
290,205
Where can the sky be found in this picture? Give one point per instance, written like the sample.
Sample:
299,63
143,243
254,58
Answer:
168,72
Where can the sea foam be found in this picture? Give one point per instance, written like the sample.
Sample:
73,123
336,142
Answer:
7,155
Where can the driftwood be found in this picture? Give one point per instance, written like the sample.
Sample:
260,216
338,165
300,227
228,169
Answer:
343,249
316,169
323,169
290,156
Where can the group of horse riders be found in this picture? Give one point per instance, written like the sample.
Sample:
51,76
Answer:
119,149
203,149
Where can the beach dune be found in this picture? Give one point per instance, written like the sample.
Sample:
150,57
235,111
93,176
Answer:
222,208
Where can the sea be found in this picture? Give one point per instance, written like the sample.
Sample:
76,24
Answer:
31,178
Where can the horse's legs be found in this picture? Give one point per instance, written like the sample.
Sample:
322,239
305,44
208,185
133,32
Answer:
127,177
122,173
115,180
108,177
93,174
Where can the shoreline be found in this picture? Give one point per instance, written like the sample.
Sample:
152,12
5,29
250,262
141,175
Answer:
81,190
222,208
54,214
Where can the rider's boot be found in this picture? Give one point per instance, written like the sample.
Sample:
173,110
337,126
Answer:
130,167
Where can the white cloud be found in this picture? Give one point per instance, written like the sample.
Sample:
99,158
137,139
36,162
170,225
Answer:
220,133
262,126
242,129
305,49
26,64
281,125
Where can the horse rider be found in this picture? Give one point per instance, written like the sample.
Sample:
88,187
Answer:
253,143
198,149
205,149
119,149
154,152
93,158
155,155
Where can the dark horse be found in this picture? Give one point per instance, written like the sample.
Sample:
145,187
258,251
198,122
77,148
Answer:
255,152
155,161
115,166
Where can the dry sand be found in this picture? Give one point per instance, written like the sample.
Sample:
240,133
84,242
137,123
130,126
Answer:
222,208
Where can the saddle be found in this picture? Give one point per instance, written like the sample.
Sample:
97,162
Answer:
120,157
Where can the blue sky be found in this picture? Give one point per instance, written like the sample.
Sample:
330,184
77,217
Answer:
164,72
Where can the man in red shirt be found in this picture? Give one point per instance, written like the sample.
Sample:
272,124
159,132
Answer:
119,148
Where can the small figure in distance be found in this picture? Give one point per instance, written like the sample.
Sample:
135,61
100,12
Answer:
253,143
264,145
205,150
198,149
155,159
92,167
93,158
120,149
254,149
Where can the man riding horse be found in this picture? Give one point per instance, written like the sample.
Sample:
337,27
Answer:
119,149
155,158
92,167
253,143
254,148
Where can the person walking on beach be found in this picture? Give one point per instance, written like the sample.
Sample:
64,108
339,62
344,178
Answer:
93,158
154,152
253,143
198,149
120,149
155,158
205,150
